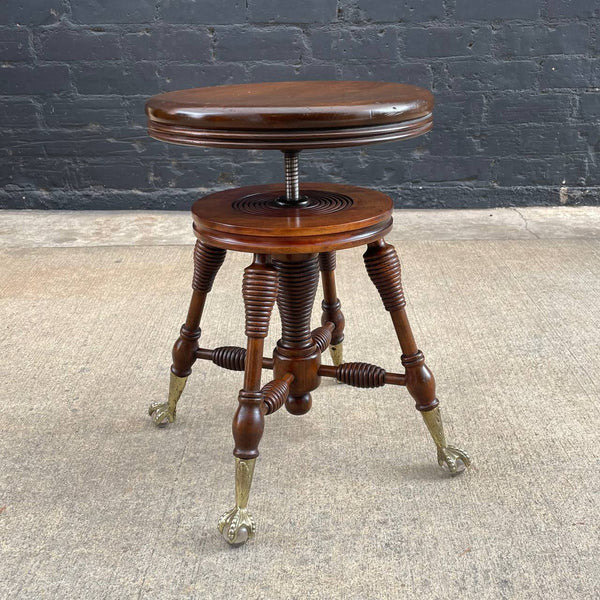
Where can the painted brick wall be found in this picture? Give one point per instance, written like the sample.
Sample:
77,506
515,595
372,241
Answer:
517,86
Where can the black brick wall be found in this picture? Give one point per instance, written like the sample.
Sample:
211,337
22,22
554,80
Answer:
517,85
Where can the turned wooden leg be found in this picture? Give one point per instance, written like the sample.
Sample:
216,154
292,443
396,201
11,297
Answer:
207,262
331,306
296,351
383,268
260,292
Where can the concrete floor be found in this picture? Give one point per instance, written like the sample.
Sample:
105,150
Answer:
32,228
95,502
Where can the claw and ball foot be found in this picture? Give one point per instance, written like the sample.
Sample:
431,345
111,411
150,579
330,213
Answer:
164,412
237,525
453,459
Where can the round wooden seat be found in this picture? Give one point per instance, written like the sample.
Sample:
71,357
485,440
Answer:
291,115
254,218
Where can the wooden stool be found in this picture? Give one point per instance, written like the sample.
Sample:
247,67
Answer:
293,232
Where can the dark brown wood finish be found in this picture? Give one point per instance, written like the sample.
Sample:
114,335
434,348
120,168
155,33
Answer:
291,115
331,305
259,289
297,351
207,262
294,231
249,219
322,336
383,267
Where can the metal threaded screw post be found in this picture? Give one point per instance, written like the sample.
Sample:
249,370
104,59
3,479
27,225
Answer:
292,185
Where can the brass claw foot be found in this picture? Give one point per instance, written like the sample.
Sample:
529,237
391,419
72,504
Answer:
337,354
164,412
237,526
452,459
160,413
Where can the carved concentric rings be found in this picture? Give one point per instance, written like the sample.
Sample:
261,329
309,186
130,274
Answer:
314,202
334,216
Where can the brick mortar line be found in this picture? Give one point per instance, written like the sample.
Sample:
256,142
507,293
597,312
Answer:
129,28
434,69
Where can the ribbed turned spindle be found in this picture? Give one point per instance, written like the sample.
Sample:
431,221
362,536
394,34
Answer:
362,375
327,261
230,357
207,261
322,336
275,394
259,289
297,289
383,267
